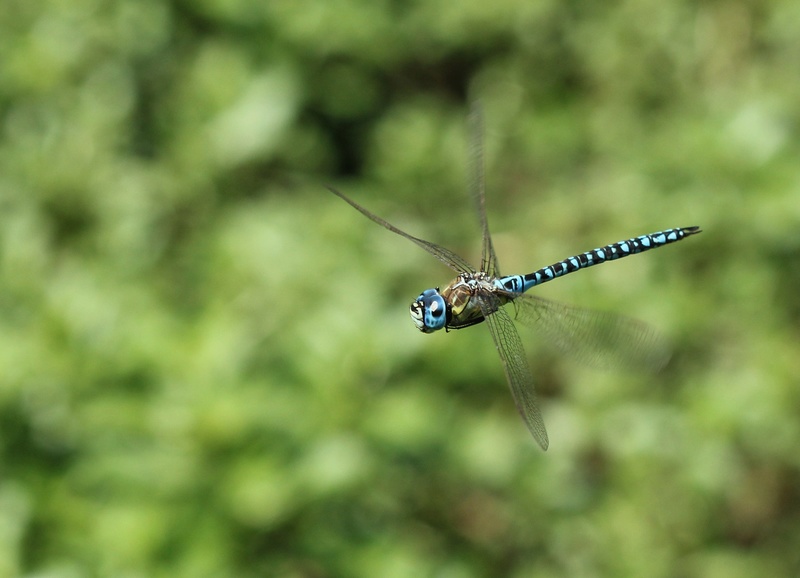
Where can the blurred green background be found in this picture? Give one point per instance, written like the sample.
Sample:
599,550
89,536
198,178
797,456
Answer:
208,367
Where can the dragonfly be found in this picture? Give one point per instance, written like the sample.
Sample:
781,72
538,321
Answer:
479,295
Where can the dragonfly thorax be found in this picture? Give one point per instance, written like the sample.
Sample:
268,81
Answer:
429,311
457,305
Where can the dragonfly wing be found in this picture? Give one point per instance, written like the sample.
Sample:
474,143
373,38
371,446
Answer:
477,188
518,372
446,256
597,338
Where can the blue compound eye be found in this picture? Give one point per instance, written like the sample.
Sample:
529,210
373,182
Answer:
429,311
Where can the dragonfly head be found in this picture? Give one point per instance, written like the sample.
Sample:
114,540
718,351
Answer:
429,311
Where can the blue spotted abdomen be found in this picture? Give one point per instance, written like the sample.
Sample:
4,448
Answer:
521,283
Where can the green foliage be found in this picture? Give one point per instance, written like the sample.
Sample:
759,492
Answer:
206,363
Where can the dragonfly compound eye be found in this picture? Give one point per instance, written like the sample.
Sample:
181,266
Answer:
429,311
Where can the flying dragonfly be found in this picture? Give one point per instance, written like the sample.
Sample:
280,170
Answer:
479,295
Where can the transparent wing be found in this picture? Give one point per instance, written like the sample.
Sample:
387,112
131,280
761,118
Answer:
444,255
477,188
518,372
597,338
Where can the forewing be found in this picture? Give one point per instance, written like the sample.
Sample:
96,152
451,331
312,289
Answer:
518,373
446,256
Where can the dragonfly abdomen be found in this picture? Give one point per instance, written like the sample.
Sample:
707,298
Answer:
632,246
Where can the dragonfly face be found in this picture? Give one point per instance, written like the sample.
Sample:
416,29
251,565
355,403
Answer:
429,311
